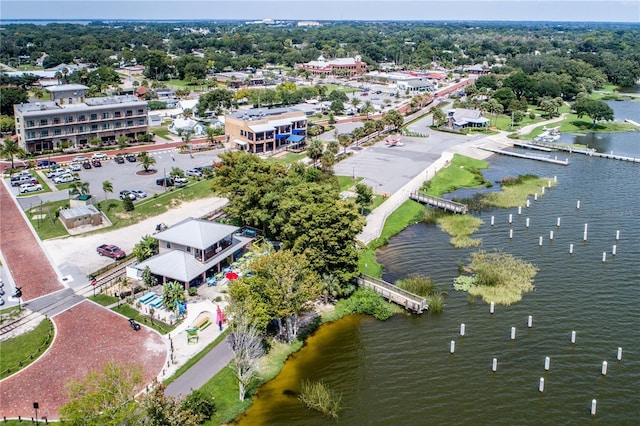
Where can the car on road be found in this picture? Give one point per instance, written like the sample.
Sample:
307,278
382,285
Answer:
111,251
96,163
125,193
65,178
131,158
86,165
44,163
134,324
99,156
139,193
193,172
79,159
119,159
30,187
75,167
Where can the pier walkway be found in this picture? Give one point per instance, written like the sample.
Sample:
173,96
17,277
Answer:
527,156
441,203
586,151
395,294
531,146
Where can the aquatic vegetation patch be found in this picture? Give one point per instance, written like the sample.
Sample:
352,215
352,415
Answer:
515,191
460,227
497,277
318,396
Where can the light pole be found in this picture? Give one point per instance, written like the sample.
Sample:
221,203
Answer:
35,407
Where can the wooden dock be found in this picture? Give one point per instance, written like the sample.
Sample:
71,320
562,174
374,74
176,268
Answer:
585,151
395,294
527,156
441,203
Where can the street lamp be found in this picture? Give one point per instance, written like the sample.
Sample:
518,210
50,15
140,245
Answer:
35,407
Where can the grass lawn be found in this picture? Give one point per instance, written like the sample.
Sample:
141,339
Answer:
131,312
367,263
408,213
573,124
516,195
346,182
288,158
151,206
161,132
345,89
22,350
459,174
103,299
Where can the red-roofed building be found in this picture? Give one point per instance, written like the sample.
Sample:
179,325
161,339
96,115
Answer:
335,66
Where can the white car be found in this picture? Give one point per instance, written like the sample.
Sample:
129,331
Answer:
75,167
57,172
66,178
139,193
79,159
30,187
99,156
180,180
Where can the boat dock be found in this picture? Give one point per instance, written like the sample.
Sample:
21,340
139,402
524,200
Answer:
635,123
395,294
531,146
585,151
441,203
527,156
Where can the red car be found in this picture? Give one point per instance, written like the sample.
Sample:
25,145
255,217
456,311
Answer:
111,251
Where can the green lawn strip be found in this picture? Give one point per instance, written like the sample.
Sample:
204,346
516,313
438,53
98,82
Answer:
407,214
573,124
130,312
462,173
197,357
516,195
20,351
367,263
289,158
103,299
151,206
161,131
346,182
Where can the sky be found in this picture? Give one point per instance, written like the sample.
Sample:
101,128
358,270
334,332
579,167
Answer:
364,10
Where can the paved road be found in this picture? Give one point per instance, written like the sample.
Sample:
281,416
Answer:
202,371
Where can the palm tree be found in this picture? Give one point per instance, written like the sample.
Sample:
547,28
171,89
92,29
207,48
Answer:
344,139
146,161
10,149
172,295
314,150
123,141
330,287
107,186
78,189
176,172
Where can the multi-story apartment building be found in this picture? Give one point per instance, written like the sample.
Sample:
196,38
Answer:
261,130
349,66
71,117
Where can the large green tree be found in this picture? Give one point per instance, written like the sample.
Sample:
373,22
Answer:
104,397
597,110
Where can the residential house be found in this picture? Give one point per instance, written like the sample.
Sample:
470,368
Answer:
261,130
193,250
72,118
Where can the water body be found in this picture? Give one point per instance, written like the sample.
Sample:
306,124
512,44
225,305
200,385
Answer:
400,372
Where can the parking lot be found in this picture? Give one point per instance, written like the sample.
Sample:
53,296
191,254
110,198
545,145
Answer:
122,176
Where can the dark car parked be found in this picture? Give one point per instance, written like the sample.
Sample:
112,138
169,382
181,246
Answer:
134,324
119,160
96,163
86,165
164,181
131,158
44,163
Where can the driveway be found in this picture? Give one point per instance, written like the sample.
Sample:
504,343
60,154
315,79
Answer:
76,256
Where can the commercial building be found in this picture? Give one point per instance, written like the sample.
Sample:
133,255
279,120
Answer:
346,66
261,130
72,118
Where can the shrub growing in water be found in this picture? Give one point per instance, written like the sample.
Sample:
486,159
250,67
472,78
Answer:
317,396
365,301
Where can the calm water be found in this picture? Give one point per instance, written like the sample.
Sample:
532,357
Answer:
400,372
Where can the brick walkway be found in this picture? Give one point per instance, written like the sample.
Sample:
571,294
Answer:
87,336
25,259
